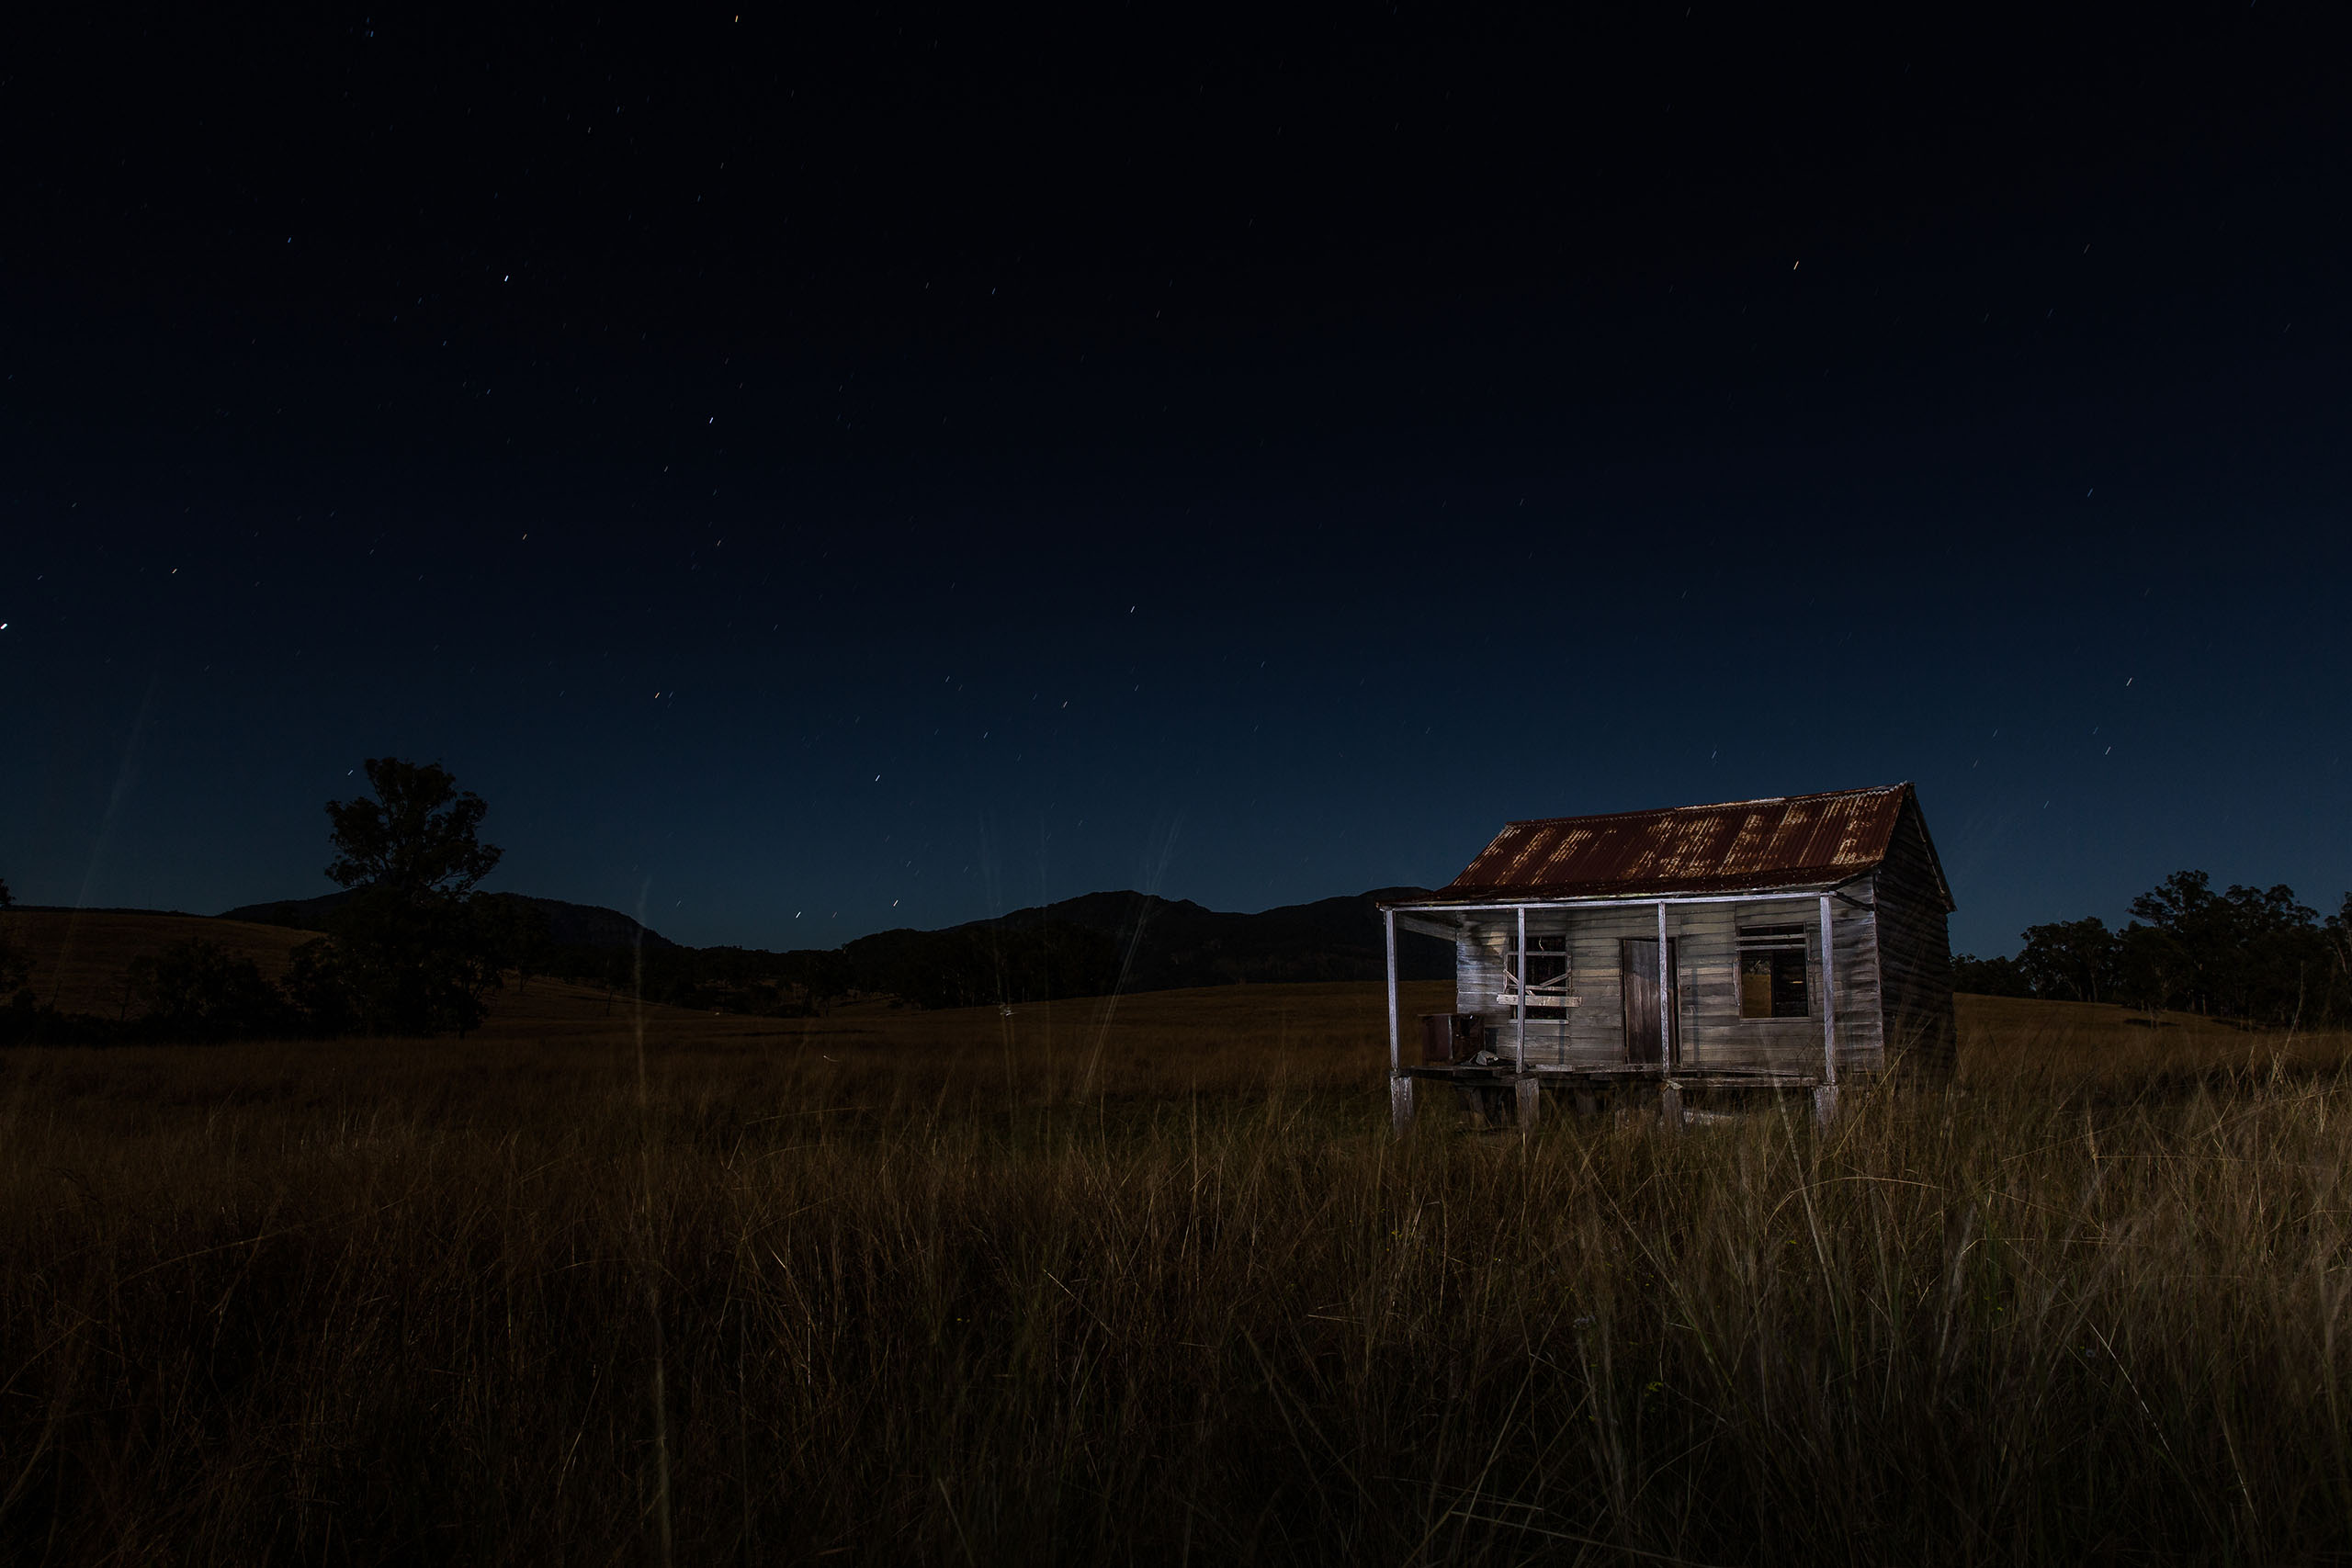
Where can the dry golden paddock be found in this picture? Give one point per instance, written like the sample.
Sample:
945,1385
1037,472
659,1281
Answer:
1150,1281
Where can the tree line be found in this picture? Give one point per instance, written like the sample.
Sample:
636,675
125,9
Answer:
417,950
2251,953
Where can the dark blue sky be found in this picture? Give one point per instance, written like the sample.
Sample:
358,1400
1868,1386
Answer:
817,478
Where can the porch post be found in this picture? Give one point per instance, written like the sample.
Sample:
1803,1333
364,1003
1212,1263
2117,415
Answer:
1400,1087
1825,1099
1667,1053
1519,1046
1388,927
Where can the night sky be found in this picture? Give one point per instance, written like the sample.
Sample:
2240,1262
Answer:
821,470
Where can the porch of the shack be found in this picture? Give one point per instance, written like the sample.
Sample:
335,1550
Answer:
1641,995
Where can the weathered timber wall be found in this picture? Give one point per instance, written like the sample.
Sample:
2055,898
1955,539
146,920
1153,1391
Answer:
1915,957
1711,1033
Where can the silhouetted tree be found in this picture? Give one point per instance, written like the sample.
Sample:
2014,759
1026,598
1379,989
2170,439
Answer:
1989,976
2152,968
2069,959
2249,952
318,989
511,932
2339,945
15,968
411,955
416,838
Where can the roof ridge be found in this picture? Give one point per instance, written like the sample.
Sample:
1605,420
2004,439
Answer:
1713,806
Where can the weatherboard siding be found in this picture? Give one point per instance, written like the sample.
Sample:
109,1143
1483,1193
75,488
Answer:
1915,958
1711,1034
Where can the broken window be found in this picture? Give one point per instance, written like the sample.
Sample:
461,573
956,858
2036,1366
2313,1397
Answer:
1548,974
1774,972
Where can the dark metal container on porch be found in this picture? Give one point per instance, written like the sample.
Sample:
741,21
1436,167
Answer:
1450,1037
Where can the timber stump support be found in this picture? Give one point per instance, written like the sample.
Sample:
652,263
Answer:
1669,1106
1530,1096
1825,1105
1400,1105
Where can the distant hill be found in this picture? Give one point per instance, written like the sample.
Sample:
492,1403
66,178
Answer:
1091,945
1122,941
1167,946
568,925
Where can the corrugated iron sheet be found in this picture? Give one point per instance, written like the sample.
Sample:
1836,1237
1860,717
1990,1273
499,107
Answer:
1798,840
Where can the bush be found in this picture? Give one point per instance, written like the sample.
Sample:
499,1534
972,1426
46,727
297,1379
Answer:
319,989
195,990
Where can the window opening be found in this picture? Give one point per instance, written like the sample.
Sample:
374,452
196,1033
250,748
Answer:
1549,976
1773,979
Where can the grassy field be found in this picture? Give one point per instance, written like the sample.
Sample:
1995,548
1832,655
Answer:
1153,1283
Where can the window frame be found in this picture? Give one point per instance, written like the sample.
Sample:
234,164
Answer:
1787,937
1562,994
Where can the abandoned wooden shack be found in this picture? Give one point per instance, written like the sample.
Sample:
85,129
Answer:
1715,953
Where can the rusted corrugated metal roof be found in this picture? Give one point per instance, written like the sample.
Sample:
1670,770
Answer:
1798,841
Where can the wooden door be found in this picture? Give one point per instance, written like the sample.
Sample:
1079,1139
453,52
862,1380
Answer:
1645,1040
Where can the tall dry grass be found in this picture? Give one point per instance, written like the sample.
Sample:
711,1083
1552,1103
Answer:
876,1298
